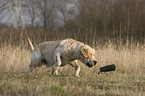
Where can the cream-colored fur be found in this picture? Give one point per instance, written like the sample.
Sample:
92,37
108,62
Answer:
59,53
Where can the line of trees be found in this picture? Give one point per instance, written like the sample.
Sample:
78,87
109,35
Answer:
46,14
85,15
110,15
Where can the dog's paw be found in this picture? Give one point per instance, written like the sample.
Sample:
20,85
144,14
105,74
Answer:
55,73
77,76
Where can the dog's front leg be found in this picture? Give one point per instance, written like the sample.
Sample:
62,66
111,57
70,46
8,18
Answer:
76,66
56,66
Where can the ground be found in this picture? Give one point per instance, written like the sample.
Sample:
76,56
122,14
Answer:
127,80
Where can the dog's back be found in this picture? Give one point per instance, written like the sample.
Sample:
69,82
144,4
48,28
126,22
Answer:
47,50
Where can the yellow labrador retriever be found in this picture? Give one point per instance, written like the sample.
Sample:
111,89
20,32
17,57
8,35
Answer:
59,53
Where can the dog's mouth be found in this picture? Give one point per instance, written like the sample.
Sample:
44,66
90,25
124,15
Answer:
89,65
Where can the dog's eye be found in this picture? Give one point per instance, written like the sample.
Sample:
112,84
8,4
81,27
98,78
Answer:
91,54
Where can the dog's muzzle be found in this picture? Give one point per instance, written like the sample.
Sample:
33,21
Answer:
95,62
91,65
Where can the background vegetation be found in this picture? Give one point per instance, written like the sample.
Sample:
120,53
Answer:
114,28
128,79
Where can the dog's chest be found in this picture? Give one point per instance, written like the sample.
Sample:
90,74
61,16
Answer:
65,59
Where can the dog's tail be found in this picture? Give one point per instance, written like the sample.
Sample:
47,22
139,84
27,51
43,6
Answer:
30,44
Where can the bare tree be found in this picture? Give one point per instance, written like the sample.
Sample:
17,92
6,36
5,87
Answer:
31,9
10,8
47,9
3,9
68,10
10,13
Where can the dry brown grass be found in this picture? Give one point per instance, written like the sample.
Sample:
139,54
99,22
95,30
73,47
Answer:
128,79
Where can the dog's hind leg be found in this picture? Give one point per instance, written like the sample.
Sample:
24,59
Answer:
56,66
31,67
76,66
35,61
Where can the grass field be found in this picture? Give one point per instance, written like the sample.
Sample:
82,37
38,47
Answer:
127,80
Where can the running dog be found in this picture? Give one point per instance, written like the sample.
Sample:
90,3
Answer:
56,54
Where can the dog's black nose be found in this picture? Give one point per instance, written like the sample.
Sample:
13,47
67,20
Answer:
95,62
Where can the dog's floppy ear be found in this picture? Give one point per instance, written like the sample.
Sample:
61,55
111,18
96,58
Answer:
85,52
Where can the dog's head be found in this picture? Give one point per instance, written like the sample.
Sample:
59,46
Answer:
88,56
